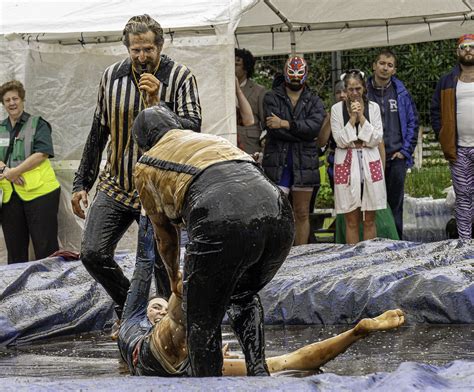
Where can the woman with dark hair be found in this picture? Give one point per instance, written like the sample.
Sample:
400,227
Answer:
358,171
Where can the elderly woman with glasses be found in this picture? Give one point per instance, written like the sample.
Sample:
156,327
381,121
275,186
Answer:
359,184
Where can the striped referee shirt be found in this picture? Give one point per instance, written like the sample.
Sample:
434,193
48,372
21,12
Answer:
118,104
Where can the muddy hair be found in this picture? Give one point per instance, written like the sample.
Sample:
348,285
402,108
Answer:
357,75
152,297
12,85
248,59
387,53
142,24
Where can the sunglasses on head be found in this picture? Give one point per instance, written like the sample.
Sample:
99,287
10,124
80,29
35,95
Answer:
352,72
467,45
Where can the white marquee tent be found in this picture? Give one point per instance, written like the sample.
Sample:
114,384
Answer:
60,48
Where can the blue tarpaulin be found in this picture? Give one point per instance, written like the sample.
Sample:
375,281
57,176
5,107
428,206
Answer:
317,284
409,376
50,298
340,284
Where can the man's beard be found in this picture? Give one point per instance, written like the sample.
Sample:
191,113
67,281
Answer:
294,86
462,60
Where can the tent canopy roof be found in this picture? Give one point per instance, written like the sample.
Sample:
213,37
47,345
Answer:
329,25
326,12
37,16
319,26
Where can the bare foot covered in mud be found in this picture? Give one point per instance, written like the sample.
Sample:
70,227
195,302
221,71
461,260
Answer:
388,320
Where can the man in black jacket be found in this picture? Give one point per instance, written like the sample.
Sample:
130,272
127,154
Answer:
294,116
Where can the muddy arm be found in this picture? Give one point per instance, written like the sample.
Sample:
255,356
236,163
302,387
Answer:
167,239
171,331
313,356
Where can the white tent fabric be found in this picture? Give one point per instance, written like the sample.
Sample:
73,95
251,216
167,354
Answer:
61,79
61,84
328,25
69,16
60,48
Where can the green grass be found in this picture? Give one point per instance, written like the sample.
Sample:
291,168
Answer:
424,182
428,181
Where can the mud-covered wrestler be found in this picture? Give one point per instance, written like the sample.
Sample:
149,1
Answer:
240,228
152,337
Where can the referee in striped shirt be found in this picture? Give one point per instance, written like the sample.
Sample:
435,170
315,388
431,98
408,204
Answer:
145,78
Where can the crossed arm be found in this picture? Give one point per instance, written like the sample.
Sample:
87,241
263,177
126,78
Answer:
14,174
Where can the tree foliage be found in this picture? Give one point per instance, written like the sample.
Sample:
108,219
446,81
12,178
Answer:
419,67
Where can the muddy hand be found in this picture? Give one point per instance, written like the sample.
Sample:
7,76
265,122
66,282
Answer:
177,285
77,198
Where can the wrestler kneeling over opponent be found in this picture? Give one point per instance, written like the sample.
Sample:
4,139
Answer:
240,230
158,346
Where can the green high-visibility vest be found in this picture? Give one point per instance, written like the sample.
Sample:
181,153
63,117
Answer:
38,181
22,143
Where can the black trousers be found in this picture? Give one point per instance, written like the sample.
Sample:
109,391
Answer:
106,223
240,229
37,218
395,173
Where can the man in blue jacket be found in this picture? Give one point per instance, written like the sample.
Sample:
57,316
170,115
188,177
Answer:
400,128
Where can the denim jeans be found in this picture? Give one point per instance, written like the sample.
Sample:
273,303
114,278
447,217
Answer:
147,249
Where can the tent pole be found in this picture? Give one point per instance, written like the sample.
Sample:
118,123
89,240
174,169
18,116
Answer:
292,42
467,5
356,24
285,20
336,66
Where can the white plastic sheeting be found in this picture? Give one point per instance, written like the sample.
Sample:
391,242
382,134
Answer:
61,81
425,219
61,84
39,45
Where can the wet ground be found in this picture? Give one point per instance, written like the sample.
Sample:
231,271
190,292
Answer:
96,356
